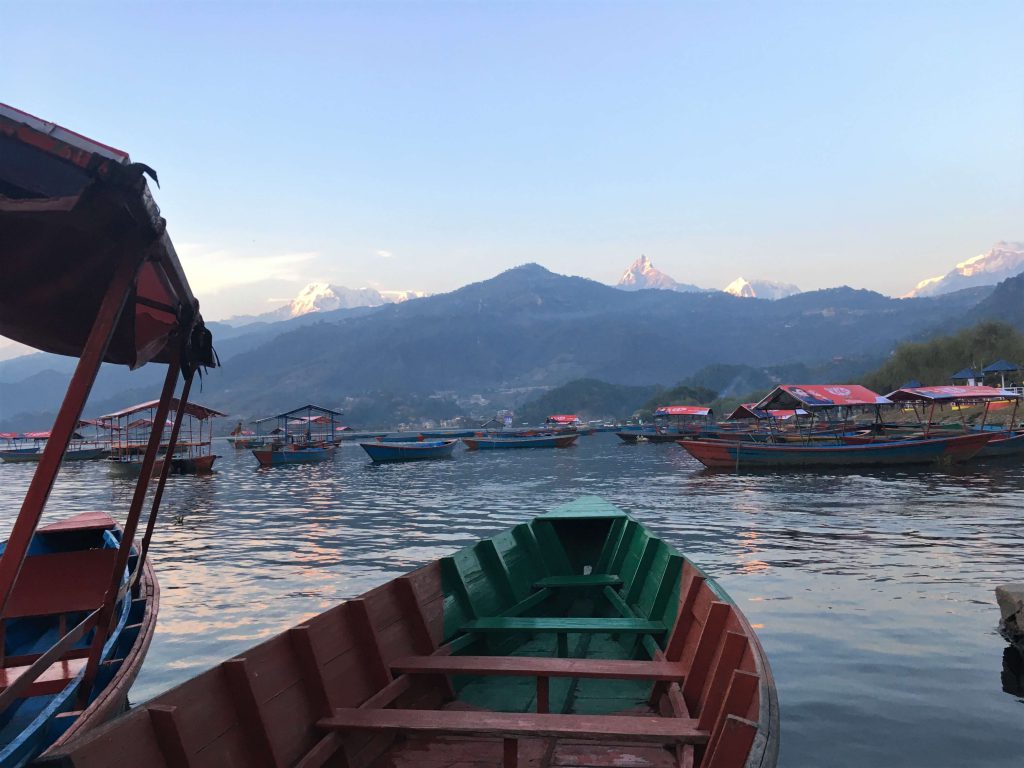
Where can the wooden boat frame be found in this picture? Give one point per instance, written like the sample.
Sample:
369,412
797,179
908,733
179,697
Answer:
337,688
123,268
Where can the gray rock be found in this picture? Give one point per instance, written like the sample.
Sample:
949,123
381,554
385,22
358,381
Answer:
1011,605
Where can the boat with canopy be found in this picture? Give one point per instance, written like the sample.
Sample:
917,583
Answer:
192,452
90,272
83,447
833,403
302,436
577,638
671,423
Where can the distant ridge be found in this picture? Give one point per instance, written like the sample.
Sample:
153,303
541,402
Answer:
760,289
1004,259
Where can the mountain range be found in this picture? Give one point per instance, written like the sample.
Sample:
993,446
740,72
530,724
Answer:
503,341
1003,260
641,274
325,297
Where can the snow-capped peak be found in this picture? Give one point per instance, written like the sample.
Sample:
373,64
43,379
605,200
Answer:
642,274
324,297
1003,260
760,289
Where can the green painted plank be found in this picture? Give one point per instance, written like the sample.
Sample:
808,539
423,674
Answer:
572,624
525,536
643,568
554,554
633,528
494,565
669,588
582,580
611,544
618,603
586,507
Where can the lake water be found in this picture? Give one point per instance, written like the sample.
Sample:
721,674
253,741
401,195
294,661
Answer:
872,593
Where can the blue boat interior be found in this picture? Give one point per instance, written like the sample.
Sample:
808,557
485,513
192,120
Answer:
63,580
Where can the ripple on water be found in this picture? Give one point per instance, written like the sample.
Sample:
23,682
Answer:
872,592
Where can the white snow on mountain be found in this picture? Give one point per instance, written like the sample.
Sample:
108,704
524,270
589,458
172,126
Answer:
760,289
1005,259
324,297
642,274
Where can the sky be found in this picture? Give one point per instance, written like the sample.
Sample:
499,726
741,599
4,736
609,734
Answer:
422,146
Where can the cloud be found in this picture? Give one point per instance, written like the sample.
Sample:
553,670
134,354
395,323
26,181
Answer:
212,269
384,254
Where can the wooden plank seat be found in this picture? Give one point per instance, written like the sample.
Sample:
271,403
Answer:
580,580
53,680
572,624
513,725
532,666
84,521
63,582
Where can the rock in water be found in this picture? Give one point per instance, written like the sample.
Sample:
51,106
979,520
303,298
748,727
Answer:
1011,605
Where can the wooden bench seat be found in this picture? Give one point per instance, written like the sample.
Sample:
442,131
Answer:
572,624
62,582
53,680
580,580
532,666
508,725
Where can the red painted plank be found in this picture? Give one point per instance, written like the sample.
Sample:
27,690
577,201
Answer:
733,648
84,521
168,734
663,730
251,718
737,702
543,695
312,677
65,582
707,648
53,680
733,748
369,643
531,666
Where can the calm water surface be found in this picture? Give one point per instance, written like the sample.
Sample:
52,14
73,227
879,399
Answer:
872,593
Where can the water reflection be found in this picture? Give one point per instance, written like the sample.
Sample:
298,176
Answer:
871,592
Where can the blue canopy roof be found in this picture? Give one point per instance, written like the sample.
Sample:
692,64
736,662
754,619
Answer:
966,373
914,384
1000,366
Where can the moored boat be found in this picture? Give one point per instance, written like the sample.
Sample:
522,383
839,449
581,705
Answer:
578,636
502,443
736,454
305,435
410,451
192,452
89,271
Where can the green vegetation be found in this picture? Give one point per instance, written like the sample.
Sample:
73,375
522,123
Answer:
932,362
590,399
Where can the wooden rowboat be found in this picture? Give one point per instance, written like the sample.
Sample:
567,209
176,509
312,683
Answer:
500,443
276,455
578,638
410,451
89,271
33,455
729,454
66,574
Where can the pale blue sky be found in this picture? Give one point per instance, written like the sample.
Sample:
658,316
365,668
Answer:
426,145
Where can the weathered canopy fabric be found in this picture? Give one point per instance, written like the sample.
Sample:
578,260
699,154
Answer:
750,411
191,409
563,418
949,394
789,396
72,213
682,410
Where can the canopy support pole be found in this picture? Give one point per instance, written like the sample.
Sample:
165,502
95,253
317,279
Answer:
39,489
130,526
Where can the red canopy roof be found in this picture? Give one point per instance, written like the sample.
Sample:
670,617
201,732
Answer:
191,409
948,394
820,396
564,418
682,410
38,435
73,213
8,435
751,411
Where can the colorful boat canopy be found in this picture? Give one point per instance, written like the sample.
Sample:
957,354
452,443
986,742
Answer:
563,418
78,213
816,396
8,435
950,394
750,411
38,435
305,411
191,409
682,410
140,423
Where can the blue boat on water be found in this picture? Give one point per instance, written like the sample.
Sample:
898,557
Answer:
62,582
500,443
275,455
410,451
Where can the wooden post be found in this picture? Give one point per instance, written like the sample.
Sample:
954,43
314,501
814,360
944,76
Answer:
93,352
510,759
543,695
